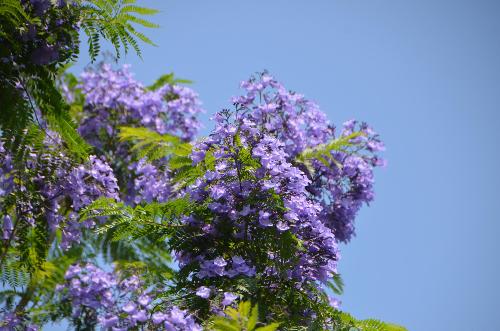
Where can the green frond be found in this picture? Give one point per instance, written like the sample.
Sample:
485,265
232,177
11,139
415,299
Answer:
154,146
105,5
112,20
13,273
13,11
154,220
141,36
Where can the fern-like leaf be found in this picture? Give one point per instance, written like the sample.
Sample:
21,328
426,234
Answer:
113,20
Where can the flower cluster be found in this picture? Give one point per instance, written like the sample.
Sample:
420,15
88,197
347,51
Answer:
279,190
343,181
82,185
220,267
151,183
10,320
50,189
102,297
113,98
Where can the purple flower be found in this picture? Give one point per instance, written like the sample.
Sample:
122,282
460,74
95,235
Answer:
282,226
220,262
217,192
89,287
7,227
334,302
203,292
229,298
140,316
197,156
109,321
144,300
237,260
159,317
40,6
264,218
45,54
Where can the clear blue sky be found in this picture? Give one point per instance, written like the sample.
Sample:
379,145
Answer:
426,75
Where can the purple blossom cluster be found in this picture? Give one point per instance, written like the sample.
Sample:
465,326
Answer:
83,185
343,181
151,183
11,321
118,304
292,119
51,188
220,267
280,189
113,98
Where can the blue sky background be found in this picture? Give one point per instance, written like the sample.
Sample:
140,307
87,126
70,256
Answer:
426,75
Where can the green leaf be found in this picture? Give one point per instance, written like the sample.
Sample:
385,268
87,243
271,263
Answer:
336,284
254,316
270,327
168,79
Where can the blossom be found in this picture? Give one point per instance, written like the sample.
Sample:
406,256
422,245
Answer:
203,292
229,298
7,227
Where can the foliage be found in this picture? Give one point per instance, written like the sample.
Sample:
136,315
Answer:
349,323
113,216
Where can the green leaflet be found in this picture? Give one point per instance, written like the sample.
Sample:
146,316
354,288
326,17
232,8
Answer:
245,318
336,284
168,79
